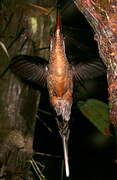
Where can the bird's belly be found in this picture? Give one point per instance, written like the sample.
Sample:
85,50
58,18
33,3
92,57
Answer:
59,83
60,86
60,91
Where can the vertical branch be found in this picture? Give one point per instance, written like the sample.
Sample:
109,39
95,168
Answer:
102,15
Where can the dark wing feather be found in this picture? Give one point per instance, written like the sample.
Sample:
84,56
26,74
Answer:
88,70
31,68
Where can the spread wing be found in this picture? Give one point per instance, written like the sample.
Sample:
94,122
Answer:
31,68
88,70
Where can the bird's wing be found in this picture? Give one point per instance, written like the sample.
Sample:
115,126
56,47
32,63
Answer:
88,70
31,68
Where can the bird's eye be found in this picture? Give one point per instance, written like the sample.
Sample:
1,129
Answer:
46,68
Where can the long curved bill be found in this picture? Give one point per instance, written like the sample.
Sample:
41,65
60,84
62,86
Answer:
64,132
66,159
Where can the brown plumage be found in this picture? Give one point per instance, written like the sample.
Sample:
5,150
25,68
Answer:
58,76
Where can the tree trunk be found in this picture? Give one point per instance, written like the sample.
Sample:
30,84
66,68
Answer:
23,30
102,15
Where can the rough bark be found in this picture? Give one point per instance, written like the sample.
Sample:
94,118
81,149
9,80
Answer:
23,30
102,15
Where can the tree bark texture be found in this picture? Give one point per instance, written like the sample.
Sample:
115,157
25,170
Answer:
23,30
102,16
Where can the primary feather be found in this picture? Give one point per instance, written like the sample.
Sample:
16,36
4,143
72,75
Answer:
30,68
88,70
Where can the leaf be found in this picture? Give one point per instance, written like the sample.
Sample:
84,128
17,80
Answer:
97,112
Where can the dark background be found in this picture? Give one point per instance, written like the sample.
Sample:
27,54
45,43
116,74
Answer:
91,154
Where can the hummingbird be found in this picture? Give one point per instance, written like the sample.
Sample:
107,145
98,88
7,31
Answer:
58,75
